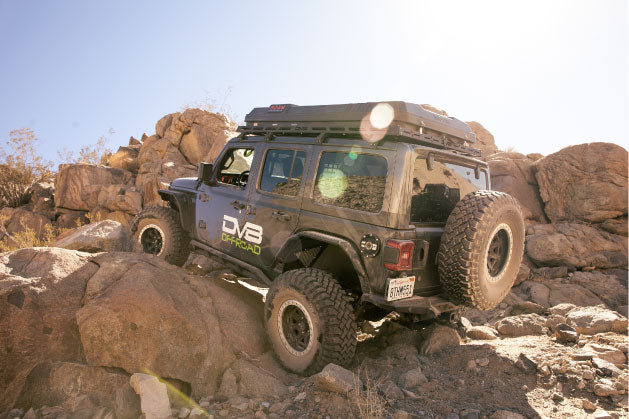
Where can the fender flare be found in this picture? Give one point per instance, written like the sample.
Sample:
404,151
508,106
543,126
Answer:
180,202
291,246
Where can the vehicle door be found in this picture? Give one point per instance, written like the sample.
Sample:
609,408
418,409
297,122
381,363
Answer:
275,200
221,207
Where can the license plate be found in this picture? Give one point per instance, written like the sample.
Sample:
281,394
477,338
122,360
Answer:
398,288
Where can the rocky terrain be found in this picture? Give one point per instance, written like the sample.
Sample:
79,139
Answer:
84,333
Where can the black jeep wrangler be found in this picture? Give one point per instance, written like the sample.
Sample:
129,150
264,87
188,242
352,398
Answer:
345,212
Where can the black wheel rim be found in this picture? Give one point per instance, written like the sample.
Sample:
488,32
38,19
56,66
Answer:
295,327
498,253
151,241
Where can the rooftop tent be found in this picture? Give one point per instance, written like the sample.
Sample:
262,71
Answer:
409,122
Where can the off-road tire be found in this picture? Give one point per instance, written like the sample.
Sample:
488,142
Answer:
175,243
333,331
477,222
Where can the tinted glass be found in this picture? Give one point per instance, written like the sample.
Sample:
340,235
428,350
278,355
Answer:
282,172
436,191
351,180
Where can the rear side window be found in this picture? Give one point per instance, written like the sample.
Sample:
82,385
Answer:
437,189
282,172
351,180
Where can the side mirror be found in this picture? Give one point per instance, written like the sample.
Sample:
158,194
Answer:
205,173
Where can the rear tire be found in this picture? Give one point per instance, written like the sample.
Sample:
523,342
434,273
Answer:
310,321
481,249
157,231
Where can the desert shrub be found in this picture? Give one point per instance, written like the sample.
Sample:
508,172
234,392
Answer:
21,167
28,237
97,153
216,102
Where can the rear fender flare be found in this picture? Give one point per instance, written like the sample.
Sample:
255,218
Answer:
292,245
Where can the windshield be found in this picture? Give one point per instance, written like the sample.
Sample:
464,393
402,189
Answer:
437,189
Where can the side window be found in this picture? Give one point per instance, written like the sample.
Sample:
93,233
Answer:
235,166
439,186
282,172
351,180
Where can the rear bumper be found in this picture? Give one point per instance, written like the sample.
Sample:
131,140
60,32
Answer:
413,305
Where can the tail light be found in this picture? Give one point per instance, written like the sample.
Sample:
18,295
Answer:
398,255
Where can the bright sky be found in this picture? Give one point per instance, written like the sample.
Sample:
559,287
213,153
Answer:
540,75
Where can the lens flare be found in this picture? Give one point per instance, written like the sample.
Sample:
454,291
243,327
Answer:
374,125
381,115
332,183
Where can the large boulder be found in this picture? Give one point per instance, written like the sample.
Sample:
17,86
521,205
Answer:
198,134
102,236
69,384
125,158
607,287
585,182
142,314
484,139
17,220
576,245
159,163
513,173
132,312
597,319
40,292
565,291
84,187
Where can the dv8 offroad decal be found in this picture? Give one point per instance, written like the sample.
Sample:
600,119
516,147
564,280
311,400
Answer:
252,234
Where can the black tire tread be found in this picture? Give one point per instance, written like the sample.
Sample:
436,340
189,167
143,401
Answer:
180,251
338,327
459,250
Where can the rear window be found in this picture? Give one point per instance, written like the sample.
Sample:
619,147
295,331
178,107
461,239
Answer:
437,190
351,180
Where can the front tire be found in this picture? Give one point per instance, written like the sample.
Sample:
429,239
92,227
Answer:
310,321
157,231
481,249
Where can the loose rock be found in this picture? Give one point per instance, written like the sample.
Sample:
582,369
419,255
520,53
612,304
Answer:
438,338
525,324
153,396
337,379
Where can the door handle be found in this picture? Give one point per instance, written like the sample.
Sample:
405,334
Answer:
238,205
280,215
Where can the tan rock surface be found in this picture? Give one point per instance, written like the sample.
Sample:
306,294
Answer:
125,158
173,328
484,139
18,219
154,401
584,182
578,245
513,173
40,292
67,384
78,186
102,236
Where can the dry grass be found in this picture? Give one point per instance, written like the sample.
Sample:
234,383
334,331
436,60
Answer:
368,403
29,237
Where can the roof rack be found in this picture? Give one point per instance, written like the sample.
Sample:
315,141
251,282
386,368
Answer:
411,124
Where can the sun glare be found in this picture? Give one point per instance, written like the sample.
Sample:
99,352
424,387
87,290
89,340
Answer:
381,115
